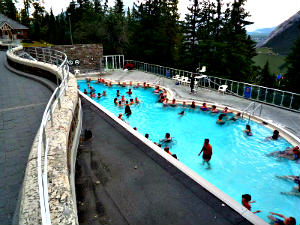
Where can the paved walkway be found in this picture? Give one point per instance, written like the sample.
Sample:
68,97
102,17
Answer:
290,120
119,182
22,102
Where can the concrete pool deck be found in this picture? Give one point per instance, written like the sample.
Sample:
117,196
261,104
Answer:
117,182
288,119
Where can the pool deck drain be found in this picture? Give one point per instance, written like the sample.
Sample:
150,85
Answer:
118,183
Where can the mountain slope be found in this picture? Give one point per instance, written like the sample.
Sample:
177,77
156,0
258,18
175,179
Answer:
284,36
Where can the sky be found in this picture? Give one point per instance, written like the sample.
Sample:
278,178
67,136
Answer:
264,13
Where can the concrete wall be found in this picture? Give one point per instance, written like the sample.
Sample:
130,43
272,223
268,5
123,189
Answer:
90,55
63,137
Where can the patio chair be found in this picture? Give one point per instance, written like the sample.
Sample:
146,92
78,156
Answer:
223,88
181,79
186,81
176,77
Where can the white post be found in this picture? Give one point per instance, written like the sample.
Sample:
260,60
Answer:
113,62
106,62
123,60
120,61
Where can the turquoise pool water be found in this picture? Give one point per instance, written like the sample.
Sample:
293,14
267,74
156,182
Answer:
239,163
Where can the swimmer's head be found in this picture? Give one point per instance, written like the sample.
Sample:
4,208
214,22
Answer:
247,197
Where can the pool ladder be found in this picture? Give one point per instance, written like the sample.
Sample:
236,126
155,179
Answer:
251,109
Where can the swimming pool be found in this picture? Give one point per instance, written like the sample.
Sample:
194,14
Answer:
239,163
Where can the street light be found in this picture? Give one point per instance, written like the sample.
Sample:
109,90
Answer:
69,14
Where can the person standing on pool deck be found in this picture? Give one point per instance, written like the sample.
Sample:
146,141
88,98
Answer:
192,83
207,152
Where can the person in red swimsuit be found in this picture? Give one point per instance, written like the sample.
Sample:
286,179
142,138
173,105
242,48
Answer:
207,152
246,200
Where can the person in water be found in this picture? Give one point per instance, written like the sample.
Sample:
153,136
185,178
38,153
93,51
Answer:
104,93
166,102
274,137
220,119
283,221
193,105
214,109
118,93
127,109
167,138
246,200
181,113
116,101
225,110
173,103
248,130
207,152
294,156
99,95
129,91
236,117
287,153
167,150
204,107
137,101
120,116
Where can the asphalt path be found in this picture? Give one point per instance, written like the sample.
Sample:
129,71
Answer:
22,103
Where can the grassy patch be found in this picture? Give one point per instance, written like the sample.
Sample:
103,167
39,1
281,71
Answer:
276,62
37,44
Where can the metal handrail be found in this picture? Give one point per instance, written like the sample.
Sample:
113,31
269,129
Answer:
254,108
284,99
43,142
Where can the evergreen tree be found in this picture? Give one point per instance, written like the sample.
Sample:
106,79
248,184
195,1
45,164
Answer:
267,79
38,17
7,7
293,74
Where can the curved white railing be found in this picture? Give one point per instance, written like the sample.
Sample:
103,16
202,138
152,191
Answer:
60,60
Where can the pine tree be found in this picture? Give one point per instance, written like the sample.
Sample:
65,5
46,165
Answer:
267,79
293,74
7,7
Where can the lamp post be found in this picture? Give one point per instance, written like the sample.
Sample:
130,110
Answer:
69,14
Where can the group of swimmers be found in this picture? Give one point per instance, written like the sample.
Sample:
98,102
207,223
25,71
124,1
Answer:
164,143
92,91
290,153
246,202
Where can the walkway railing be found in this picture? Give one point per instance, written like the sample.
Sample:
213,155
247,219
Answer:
60,59
112,62
258,93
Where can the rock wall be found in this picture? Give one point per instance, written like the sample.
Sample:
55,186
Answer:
90,56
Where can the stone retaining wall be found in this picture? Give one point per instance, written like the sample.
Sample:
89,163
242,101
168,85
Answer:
89,55
62,198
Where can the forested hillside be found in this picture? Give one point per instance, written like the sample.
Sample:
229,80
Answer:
212,34
282,39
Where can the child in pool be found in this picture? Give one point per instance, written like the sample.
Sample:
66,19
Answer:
248,130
